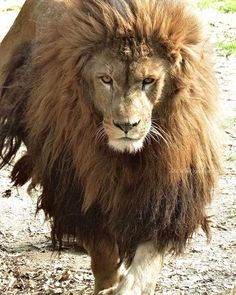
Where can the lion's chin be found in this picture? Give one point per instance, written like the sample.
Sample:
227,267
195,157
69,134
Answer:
126,145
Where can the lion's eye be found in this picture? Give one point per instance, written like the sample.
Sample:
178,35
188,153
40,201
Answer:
106,79
148,81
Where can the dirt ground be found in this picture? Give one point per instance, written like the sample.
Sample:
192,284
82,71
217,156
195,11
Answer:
29,266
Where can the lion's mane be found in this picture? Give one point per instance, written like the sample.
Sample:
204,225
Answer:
157,194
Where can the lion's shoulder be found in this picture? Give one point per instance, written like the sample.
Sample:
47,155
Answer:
34,17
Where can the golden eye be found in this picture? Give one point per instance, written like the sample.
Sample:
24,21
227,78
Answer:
148,81
106,79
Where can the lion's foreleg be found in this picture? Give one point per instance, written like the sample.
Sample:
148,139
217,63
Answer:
142,275
105,264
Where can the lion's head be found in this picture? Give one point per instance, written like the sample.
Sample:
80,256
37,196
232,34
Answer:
128,69
125,90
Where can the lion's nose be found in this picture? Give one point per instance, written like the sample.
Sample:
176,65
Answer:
126,127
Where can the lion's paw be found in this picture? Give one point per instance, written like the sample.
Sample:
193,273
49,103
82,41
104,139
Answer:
109,291
128,286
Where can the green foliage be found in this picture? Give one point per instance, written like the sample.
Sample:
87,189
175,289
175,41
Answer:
206,3
226,48
229,120
232,158
224,5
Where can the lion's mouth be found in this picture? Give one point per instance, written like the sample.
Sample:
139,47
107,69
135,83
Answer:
128,138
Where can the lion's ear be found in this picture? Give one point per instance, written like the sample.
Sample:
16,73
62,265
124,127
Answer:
175,56
185,60
178,30
179,47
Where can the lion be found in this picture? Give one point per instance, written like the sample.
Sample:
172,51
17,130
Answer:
116,104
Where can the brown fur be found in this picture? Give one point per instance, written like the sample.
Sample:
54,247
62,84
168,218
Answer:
157,194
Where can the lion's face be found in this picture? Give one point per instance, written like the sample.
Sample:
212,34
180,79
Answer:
125,93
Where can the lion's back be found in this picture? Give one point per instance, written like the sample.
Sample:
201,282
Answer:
34,18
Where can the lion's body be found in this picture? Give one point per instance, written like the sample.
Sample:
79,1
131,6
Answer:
89,189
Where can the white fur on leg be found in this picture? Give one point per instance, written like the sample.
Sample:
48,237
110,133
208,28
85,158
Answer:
143,271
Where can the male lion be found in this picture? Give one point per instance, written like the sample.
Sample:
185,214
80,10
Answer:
115,103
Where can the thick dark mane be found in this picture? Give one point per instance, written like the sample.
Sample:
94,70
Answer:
158,194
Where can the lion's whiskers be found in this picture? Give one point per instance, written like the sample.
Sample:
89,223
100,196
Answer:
100,133
168,137
156,133
147,139
151,136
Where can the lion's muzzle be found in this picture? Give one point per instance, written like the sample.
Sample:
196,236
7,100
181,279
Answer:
126,126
